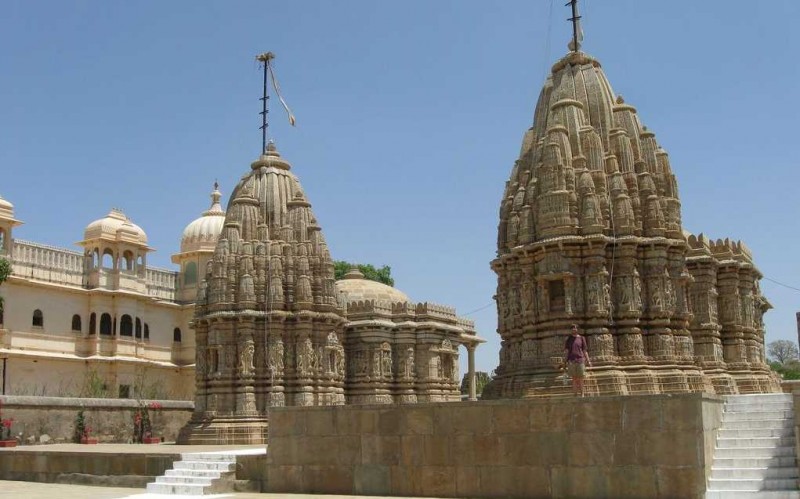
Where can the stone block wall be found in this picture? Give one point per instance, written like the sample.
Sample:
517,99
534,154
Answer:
635,446
52,419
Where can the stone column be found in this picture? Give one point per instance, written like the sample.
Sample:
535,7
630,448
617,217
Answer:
471,372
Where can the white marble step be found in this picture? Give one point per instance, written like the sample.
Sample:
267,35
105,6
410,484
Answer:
204,465
727,443
204,474
752,484
763,494
208,456
756,415
722,473
755,432
782,405
184,479
751,452
757,398
760,424
754,462
176,489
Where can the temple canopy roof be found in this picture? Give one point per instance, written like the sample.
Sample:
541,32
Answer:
355,287
116,226
202,233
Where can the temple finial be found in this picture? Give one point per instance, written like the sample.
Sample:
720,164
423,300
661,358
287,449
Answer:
577,31
264,59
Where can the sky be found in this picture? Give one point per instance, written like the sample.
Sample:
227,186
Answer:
410,115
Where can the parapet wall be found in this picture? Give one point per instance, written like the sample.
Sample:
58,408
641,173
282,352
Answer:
52,419
635,446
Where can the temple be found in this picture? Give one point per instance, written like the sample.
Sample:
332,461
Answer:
590,233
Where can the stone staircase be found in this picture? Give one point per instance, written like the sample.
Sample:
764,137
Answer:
755,454
199,473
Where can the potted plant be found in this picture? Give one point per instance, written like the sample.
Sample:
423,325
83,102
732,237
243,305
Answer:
83,432
148,438
6,440
87,437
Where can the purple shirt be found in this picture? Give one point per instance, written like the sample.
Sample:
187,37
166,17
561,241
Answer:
576,349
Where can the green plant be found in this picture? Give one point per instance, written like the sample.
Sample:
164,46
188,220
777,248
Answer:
383,274
5,271
80,427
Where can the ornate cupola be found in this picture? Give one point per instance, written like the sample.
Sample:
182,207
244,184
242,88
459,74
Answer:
268,326
590,233
198,242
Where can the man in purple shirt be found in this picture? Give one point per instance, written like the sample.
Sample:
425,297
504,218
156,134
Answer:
576,351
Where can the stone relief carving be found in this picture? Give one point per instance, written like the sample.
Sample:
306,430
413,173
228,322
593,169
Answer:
246,360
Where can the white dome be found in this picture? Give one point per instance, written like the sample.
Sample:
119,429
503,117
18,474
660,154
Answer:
202,233
355,287
6,209
117,226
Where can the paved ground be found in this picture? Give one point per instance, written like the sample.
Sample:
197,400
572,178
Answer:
31,490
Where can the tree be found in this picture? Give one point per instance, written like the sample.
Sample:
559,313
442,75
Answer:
782,351
5,271
481,380
383,274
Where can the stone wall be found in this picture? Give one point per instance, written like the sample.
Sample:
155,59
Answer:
643,446
52,419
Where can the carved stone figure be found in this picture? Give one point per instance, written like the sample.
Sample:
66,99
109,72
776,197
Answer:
246,360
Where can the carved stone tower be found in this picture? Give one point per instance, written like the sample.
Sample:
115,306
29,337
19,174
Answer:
590,233
267,323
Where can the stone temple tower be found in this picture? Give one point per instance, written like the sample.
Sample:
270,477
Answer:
267,323
590,233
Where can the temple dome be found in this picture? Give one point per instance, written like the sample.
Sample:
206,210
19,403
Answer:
6,209
271,246
115,226
355,287
203,232
587,166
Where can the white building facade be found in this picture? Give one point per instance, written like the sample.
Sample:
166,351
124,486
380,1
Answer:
99,321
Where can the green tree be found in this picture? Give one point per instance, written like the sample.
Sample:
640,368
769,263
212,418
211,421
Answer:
5,271
481,380
789,370
383,274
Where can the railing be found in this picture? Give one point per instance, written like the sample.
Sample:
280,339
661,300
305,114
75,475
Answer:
47,263
161,283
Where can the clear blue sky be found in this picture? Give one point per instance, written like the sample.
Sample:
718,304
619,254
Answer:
410,116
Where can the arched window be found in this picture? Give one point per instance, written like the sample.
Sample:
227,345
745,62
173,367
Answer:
127,260
38,318
190,274
108,259
146,331
76,323
93,323
138,328
2,239
126,326
95,258
105,324
176,335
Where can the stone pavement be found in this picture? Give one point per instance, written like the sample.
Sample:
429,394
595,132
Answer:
32,490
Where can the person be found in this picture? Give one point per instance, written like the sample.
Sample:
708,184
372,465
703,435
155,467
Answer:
577,354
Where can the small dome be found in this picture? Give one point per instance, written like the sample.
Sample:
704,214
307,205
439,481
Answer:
203,232
6,209
356,287
117,226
